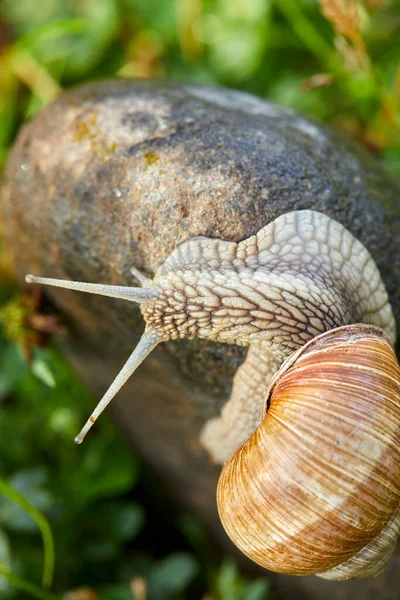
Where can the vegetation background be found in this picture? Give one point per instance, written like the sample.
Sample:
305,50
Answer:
87,523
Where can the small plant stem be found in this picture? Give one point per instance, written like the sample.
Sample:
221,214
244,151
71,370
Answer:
42,523
26,586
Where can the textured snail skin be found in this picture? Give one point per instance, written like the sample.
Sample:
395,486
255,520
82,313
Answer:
298,277
301,275
316,488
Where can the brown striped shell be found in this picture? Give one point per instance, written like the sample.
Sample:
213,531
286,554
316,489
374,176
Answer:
316,488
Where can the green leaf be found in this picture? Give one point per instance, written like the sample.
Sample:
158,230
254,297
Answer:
119,520
230,585
227,583
5,558
171,576
104,471
237,51
257,590
13,368
107,526
25,15
115,592
28,483
160,15
101,21
43,372
252,11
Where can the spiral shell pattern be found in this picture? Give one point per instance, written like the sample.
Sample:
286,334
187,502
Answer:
316,488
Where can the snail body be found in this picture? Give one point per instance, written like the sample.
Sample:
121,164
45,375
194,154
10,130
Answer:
298,277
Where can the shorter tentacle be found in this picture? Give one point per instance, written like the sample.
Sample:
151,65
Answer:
142,279
134,294
147,343
242,414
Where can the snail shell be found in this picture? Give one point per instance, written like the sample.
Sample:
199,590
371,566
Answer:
316,488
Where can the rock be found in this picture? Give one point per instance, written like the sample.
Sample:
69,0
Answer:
117,174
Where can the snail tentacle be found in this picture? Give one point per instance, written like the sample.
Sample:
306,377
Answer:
133,294
147,343
142,279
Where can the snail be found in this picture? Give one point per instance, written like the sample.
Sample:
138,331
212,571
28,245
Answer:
302,288
316,488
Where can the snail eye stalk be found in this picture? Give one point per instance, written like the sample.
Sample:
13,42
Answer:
147,343
133,294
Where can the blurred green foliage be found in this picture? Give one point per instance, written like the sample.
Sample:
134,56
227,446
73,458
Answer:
85,493
336,60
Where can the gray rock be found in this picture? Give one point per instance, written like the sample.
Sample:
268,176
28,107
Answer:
117,174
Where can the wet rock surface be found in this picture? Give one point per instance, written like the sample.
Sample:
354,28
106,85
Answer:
117,174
